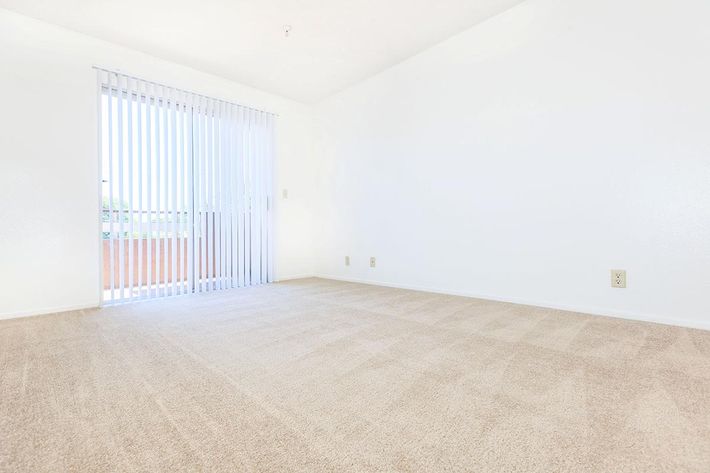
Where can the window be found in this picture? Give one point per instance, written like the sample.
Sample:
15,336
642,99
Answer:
185,191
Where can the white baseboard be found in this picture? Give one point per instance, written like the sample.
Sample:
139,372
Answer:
599,311
48,310
295,276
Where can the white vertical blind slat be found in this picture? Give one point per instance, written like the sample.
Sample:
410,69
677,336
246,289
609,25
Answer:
262,194
234,139
111,217
182,186
202,157
121,209
218,196
187,194
158,192
239,177
197,194
141,208
247,200
165,184
209,197
229,205
149,189
190,195
223,173
173,191
256,201
129,119
197,185
256,215
224,161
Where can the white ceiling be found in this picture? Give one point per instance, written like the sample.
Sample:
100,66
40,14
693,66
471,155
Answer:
333,43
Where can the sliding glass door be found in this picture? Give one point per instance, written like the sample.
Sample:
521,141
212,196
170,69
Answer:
185,191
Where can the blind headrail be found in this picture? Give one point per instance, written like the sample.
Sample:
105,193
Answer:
118,72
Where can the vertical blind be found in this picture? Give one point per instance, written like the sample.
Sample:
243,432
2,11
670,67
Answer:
186,187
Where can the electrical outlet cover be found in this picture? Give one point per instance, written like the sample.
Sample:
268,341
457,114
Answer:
618,278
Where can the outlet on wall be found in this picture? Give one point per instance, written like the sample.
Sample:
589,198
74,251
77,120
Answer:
618,278
284,193
372,261
347,261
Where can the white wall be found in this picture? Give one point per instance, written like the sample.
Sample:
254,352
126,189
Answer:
525,158
49,255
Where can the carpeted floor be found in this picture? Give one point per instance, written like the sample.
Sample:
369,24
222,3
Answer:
316,375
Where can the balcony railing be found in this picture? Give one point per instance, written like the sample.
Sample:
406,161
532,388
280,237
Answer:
157,239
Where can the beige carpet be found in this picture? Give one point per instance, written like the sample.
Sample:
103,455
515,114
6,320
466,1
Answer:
316,375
